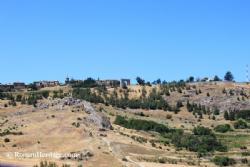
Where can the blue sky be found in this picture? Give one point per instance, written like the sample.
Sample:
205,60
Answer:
167,39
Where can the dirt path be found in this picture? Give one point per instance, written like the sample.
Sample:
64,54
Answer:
134,162
117,156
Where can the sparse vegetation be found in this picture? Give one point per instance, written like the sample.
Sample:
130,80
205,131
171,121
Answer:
49,164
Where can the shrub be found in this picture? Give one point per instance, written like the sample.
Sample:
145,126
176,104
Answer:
45,94
124,159
240,124
18,98
216,111
169,116
140,114
246,153
223,161
200,130
6,140
244,161
226,115
222,128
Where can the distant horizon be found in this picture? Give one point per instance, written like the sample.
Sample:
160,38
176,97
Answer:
171,40
133,80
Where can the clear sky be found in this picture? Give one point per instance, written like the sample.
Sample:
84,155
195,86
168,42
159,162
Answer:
167,39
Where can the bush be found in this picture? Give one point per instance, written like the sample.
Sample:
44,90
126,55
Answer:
244,161
169,116
87,95
201,131
6,140
222,128
32,99
226,115
246,153
18,98
223,161
240,124
216,111
45,94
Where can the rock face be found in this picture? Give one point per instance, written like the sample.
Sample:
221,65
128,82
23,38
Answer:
100,120
97,118
88,108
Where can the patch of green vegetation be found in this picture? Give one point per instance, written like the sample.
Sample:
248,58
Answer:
87,95
240,124
245,153
243,114
233,115
234,141
153,101
87,83
223,128
223,161
140,124
202,140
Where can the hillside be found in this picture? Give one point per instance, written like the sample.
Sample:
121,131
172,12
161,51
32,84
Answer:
171,125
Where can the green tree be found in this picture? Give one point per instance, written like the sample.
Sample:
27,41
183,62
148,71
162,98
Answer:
229,76
190,79
216,78
226,115
140,81
158,81
231,116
